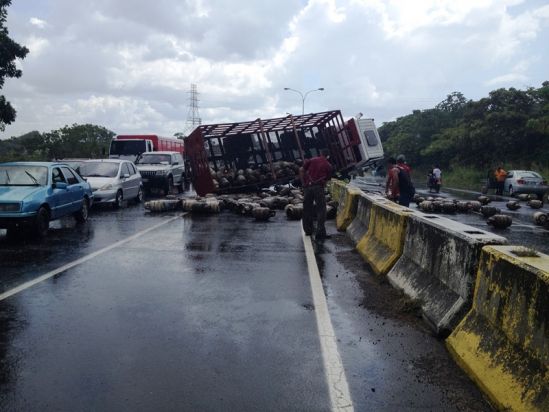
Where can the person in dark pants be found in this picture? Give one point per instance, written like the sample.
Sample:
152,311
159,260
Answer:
399,186
314,174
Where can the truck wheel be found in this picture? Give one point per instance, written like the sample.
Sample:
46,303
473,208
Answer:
82,215
41,222
118,200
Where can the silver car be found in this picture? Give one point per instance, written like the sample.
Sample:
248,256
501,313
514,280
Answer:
525,181
113,181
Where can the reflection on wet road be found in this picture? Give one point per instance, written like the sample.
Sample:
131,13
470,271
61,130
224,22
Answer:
205,313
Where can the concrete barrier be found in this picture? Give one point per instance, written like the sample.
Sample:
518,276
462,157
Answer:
503,342
346,209
384,241
358,228
336,188
438,267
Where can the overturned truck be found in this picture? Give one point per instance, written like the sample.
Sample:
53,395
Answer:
236,157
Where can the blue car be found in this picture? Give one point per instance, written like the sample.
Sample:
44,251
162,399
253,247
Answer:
34,193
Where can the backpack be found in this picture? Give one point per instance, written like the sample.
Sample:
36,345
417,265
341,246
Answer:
405,184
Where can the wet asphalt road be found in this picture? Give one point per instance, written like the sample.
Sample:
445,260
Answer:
206,313
523,231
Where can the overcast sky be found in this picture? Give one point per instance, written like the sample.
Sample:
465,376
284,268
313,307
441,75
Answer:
128,64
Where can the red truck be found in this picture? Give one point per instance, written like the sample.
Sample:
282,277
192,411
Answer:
129,147
230,157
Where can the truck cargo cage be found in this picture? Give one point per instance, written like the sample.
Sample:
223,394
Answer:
266,149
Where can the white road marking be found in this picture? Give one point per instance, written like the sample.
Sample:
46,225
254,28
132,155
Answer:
77,262
340,395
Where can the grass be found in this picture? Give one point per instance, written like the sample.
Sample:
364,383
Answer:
463,177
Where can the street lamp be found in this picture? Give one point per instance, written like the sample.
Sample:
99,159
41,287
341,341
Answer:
304,96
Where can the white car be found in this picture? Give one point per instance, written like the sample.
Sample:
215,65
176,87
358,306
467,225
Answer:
113,181
525,181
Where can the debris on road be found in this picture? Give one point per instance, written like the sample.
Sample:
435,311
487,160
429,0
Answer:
500,221
261,205
513,205
535,204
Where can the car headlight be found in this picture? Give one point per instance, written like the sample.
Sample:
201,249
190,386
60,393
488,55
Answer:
162,172
108,186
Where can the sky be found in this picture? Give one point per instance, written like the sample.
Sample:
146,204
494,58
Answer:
128,65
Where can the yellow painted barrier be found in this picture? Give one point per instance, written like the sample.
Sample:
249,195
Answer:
503,342
383,243
346,210
336,188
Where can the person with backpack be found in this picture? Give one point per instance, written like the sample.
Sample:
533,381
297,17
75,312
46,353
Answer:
399,186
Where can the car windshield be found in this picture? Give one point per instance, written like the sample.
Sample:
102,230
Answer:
23,175
154,159
530,174
99,169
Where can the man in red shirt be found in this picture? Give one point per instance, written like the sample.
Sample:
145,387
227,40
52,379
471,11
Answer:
314,175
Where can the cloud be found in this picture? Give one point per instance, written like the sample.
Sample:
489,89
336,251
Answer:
35,21
128,65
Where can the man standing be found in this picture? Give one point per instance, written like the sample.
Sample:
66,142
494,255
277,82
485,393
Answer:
437,175
314,174
500,175
399,187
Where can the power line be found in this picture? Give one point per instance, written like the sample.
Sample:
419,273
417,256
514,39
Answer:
193,116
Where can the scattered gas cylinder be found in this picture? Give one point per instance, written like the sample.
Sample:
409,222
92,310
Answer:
162,205
513,205
294,212
500,221
488,211
541,218
263,213
535,204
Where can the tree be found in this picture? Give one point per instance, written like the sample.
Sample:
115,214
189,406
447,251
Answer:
78,141
9,51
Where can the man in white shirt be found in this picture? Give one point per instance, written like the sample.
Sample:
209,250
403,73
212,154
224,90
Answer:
437,174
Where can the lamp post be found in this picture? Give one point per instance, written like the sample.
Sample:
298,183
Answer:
304,96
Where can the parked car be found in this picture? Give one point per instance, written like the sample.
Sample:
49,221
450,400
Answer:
34,193
113,180
74,164
162,170
525,181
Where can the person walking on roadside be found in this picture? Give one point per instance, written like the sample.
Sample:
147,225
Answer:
500,175
399,187
314,175
437,177
401,163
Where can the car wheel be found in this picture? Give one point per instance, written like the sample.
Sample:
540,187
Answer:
42,222
140,195
169,186
511,191
82,215
118,200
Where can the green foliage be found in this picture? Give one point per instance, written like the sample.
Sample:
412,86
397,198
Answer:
76,141
9,52
509,127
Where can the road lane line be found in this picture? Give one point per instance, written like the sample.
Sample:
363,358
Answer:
340,395
77,262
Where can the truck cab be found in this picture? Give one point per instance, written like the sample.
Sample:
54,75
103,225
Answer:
369,149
